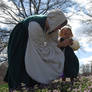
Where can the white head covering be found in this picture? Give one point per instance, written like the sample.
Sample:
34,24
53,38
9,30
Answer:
55,17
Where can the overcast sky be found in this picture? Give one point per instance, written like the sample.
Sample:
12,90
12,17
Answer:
85,52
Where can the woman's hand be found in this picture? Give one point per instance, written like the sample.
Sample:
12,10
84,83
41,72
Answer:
65,43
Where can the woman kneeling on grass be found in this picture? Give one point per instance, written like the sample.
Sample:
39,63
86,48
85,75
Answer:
71,65
33,55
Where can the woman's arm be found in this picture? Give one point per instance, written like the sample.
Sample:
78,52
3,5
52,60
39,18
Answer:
64,43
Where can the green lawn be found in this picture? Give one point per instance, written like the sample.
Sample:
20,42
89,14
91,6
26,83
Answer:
4,88
4,85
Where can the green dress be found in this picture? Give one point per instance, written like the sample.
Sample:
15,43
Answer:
71,65
16,73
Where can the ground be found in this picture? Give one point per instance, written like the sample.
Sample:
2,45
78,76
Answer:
82,84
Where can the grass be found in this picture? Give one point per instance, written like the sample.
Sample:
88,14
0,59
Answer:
4,85
84,84
4,88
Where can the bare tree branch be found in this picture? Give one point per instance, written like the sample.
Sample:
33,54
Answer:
30,3
48,2
21,1
7,22
38,7
12,16
34,5
18,9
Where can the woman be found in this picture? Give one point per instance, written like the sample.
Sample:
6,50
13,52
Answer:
71,65
33,54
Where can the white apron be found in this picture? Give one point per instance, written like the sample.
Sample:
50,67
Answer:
44,61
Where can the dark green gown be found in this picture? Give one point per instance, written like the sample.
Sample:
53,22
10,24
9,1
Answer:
16,73
71,65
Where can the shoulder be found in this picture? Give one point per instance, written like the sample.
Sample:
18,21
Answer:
33,25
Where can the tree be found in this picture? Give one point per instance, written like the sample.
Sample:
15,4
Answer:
20,9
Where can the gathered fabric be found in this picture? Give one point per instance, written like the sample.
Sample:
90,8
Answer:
44,61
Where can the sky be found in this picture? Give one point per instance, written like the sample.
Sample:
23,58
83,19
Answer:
85,52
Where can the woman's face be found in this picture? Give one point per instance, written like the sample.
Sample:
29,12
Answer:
56,28
60,26
66,33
